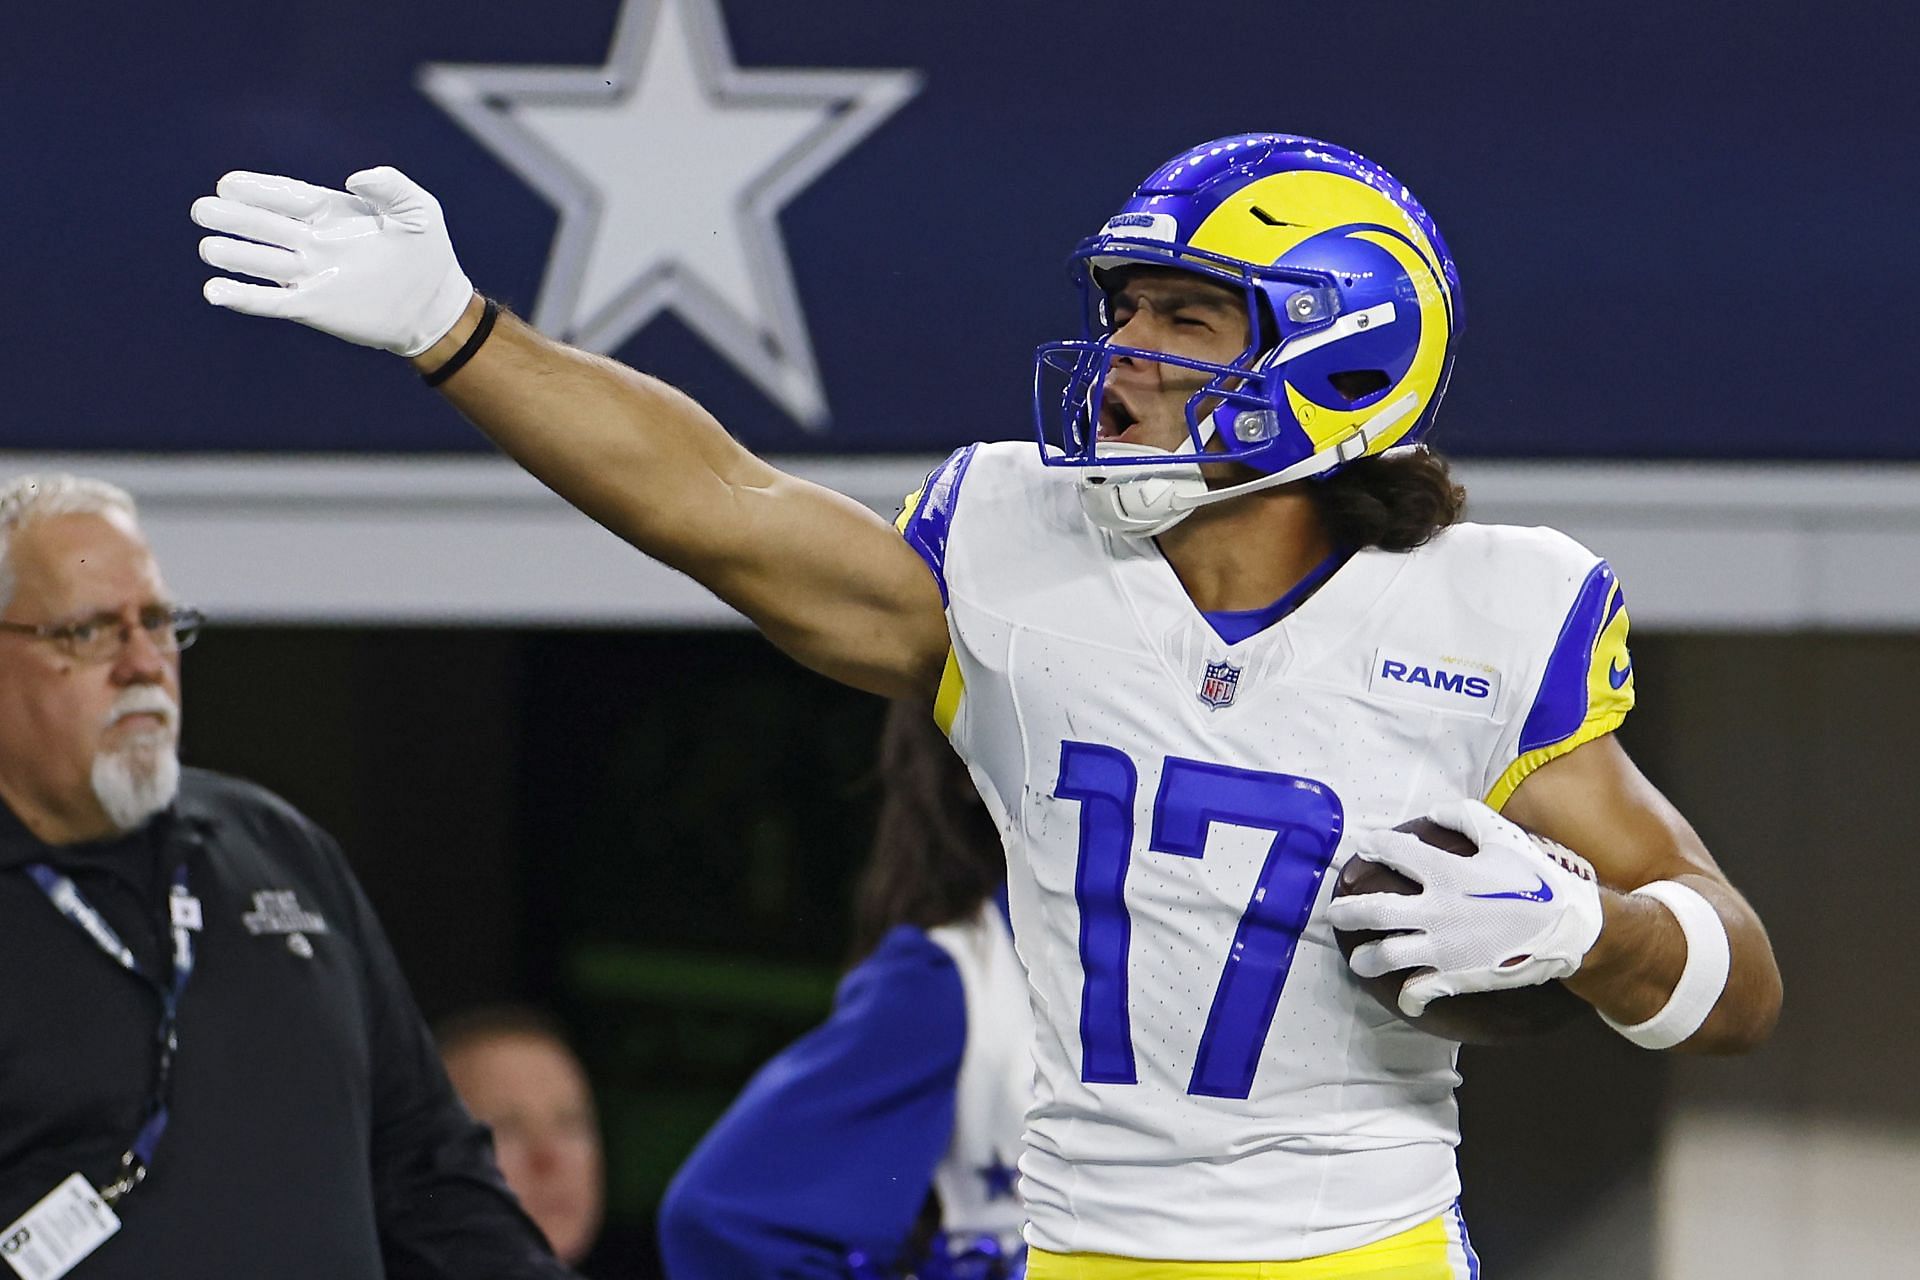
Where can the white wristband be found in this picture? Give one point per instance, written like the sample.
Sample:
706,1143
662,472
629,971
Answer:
1709,957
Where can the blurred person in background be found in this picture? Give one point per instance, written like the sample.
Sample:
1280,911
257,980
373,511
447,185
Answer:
516,1073
210,1064
883,1142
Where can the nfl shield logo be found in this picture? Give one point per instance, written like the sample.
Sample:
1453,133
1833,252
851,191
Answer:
1218,685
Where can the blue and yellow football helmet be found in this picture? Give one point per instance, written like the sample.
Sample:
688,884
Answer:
1353,304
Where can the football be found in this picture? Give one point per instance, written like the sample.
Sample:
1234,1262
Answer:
1492,1017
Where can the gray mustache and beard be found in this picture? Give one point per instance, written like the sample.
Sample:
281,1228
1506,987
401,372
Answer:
139,775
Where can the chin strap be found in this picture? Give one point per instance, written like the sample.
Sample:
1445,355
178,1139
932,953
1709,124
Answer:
1143,501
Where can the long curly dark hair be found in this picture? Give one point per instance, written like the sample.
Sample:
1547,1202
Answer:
1392,501
936,855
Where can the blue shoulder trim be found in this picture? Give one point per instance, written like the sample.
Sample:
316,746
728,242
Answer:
929,513
1560,707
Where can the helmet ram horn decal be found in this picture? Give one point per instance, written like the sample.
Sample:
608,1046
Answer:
1353,307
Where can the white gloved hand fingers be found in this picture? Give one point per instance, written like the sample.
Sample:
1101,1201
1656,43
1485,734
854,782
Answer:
252,299
388,191
288,196
372,265
1508,853
1429,987
1385,911
357,227
249,222
1419,992
1518,898
1391,954
1476,821
397,199
249,259
1401,850
1422,989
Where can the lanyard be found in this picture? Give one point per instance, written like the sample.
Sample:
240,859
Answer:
184,913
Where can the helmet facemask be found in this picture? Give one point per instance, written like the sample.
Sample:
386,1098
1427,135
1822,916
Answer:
1351,306
1241,413
1237,399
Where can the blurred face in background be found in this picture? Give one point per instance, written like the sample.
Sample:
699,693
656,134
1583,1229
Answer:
532,1092
87,748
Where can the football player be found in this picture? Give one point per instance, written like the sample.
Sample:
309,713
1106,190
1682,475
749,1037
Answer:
1218,634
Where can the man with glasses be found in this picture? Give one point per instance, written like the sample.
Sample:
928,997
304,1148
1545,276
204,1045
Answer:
209,1062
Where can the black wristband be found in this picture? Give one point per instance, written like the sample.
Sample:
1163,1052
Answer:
467,348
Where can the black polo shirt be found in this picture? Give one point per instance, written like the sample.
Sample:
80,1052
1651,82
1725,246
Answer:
313,1132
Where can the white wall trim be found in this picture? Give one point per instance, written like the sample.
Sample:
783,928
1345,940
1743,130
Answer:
1766,1196
473,540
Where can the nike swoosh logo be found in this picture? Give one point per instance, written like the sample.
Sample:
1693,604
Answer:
1617,675
1543,894
1272,221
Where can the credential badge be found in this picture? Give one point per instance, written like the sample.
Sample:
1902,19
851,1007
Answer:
1220,683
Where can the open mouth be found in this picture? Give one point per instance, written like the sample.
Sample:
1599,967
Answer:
1115,417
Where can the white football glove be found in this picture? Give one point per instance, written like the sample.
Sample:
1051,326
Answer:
1521,911
371,264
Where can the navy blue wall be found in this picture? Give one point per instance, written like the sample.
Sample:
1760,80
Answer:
1684,230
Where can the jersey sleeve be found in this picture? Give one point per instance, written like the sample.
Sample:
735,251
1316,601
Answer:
926,519
1585,689
832,1146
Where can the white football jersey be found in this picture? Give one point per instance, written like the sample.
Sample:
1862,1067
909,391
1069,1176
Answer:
976,1180
1212,1081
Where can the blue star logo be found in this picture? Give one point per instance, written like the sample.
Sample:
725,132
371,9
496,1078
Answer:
999,1177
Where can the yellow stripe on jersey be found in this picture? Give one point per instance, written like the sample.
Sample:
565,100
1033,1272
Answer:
1430,1251
1607,690
905,517
946,703
1517,771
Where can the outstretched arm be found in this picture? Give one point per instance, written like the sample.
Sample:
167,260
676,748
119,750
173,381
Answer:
826,579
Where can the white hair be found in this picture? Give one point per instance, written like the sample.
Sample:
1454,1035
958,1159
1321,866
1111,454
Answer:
26,499
139,776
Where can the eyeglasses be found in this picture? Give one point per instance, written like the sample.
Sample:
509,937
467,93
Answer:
105,637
